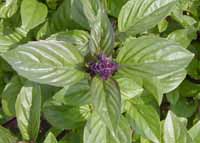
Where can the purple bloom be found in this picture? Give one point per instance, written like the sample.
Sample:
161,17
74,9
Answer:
104,67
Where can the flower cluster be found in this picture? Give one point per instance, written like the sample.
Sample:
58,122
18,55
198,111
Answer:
104,67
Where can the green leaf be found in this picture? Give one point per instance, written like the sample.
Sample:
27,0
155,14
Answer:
180,17
129,88
11,40
123,133
194,68
9,96
162,26
173,96
28,107
65,116
189,89
6,136
114,6
184,20
85,11
33,13
49,62
183,36
184,108
95,131
145,121
159,62
144,140
9,8
78,38
52,4
174,130
107,101
102,35
137,16
195,132
74,95
50,138
60,20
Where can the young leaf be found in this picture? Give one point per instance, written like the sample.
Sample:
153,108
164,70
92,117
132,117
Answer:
145,121
9,96
28,107
137,16
162,26
6,136
102,35
195,132
107,101
65,116
50,138
33,13
159,62
174,130
95,131
49,62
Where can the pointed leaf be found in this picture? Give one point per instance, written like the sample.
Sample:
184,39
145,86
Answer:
195,132
49,62
159,62
114,6
107,101
137,16
33,13
162,26
145,121
50,138
93,13
28,107
174,130
9,96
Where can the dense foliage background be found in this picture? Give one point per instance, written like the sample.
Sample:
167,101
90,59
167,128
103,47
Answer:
100,71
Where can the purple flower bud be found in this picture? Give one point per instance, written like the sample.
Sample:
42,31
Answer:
104,67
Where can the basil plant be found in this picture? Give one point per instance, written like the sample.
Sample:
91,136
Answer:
93,71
